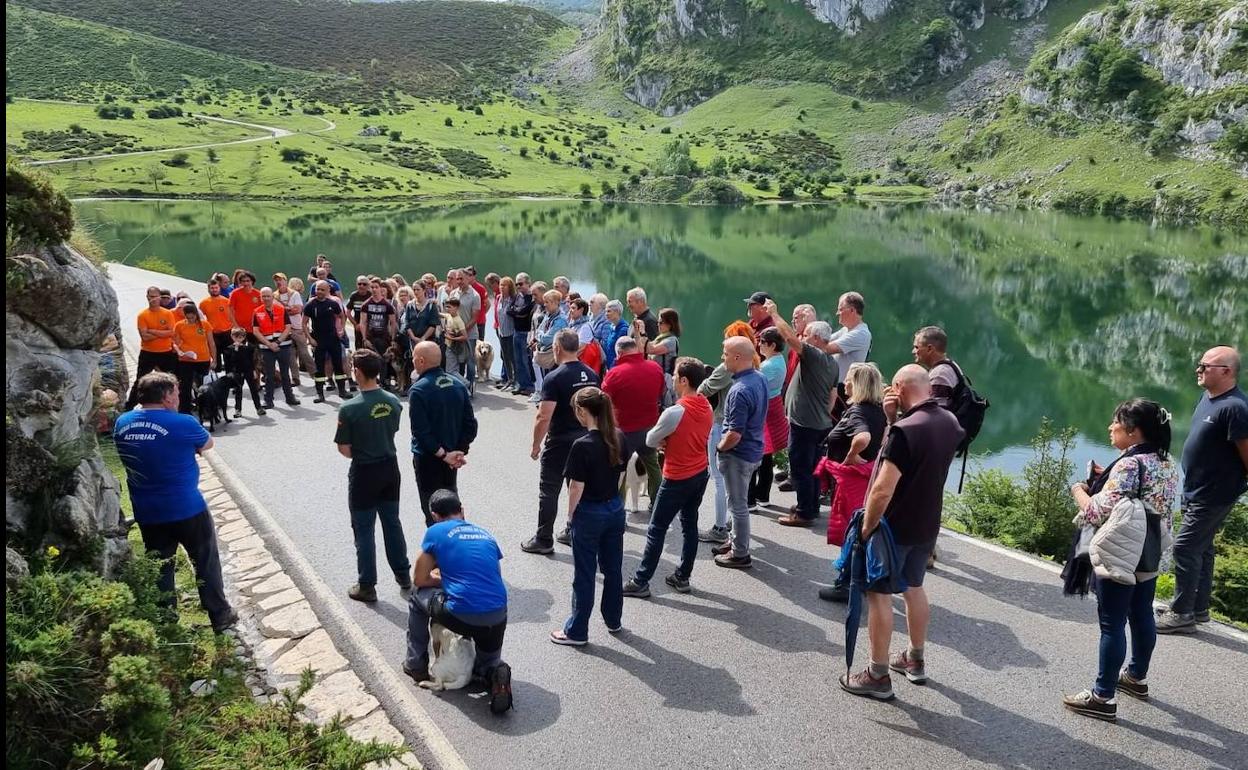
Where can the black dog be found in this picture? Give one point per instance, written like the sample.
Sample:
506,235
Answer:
212,399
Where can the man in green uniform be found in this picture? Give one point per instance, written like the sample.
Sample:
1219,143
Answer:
366,428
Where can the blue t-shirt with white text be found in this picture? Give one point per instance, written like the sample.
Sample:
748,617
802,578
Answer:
157,446
467,557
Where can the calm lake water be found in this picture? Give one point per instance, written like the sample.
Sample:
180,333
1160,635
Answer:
1052,316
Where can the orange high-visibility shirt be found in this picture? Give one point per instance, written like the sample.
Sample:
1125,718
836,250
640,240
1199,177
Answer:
157,320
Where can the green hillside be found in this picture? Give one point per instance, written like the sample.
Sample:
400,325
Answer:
431,47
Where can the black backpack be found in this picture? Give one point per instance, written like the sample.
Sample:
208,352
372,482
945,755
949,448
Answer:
968,406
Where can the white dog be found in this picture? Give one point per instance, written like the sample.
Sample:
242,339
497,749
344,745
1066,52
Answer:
451,658
485,360
635,484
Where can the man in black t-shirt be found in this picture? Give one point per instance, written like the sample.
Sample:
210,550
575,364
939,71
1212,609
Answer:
363,292
554,430
379,321
322,315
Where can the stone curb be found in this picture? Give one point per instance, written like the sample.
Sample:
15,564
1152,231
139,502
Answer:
285,636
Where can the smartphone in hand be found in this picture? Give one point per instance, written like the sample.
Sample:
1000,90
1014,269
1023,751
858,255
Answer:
1091,472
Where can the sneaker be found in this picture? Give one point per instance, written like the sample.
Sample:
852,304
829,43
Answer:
615,629
225,623
721,549
715,534
261,410
1136,688
867,686
499,678
363,593
565,536
785,486
902,663
268,404
754,507
838,594
533,398
782,476
559,637
734,562
524,392
238,415
637,590
419,674
1089,705
534,545
681,584
1171,622
1203,617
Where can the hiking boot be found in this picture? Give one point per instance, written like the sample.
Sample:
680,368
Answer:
1203,617
363,593
715,534
404,581
565,536
1089,705
721,548
734,562
1171,622
534,545
902,663
838,594
866,685
681,584
227,622
292,402
637,590
260,410
499,679
1136,688
418,674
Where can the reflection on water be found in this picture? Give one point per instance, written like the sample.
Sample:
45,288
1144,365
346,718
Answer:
1050,315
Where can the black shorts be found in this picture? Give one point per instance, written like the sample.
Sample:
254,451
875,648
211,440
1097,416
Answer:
370,484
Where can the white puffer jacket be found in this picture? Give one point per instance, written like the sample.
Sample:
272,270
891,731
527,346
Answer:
1118,544
1137,487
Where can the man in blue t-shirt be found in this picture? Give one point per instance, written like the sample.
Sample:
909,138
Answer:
459,585
158,446
740,449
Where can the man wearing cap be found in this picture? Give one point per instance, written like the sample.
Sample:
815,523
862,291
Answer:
459,585
759,318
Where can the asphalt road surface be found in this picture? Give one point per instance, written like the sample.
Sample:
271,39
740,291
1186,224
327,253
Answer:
742,672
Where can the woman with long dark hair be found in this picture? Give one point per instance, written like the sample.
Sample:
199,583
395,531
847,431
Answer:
1144,471
197,354
596,517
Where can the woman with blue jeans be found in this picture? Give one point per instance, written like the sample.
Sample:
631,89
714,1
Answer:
1144,471
596,517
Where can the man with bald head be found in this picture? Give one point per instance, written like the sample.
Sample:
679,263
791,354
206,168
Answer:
323,314
1215,474
740,449
907,491
443,425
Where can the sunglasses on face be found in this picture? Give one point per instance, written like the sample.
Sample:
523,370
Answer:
1203,366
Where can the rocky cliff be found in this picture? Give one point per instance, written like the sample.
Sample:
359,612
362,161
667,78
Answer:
671,54
59,308
1176,72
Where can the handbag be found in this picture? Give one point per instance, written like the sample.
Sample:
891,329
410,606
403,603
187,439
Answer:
544,358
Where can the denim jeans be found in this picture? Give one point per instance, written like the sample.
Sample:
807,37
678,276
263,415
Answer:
198,536
803,457
1118,605
597,544
485,629
520,356
737,473
674,497
363,524
1193,555
721,493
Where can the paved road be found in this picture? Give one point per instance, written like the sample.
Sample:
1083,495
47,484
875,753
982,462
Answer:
741,673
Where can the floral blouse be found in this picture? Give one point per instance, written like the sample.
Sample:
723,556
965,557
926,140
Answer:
1161,481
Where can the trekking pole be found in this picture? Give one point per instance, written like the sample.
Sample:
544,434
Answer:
962,478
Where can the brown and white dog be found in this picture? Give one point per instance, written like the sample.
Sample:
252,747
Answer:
485,360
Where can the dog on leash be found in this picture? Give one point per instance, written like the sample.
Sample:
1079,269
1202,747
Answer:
485,360
635,484
451,658
212,399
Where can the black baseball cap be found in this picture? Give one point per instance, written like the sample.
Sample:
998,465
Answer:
444,502
758,298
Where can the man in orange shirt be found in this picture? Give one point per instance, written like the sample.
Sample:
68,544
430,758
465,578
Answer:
245,301
156,342
215,308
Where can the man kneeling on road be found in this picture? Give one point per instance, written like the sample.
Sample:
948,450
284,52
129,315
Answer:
459,585
908,492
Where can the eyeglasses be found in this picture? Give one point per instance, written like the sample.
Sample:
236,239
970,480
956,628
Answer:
1203,366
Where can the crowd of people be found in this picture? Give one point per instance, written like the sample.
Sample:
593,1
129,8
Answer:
609,391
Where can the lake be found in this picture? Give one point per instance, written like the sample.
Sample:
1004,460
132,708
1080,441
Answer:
1051,315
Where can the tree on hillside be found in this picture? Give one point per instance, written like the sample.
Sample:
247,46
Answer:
212,155
156,173
718,167
674,159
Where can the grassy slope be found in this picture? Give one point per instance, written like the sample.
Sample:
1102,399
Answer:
25,116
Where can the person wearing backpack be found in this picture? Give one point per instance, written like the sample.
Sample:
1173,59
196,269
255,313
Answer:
1128,551
951,388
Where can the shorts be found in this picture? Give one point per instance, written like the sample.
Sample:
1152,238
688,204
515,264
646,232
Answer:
370,484
913,562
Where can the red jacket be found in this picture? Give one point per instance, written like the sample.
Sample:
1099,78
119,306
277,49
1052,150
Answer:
635,385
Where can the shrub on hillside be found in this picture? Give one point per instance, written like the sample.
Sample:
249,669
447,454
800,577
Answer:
35,212
113,112
293,154
716,191
164,111
156,265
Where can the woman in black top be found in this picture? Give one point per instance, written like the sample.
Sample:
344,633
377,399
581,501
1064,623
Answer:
596,516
